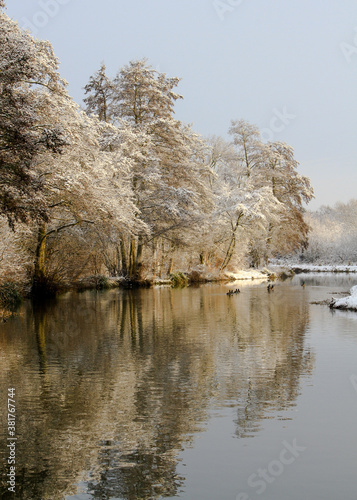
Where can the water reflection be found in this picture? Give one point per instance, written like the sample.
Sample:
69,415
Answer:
112,385
342,281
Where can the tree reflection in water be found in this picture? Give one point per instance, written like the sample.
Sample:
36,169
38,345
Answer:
112,385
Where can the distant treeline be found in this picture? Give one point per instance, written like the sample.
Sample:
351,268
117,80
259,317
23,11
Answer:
333,237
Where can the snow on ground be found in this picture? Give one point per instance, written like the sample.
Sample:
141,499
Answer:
311,268
216,276
250,274
349,303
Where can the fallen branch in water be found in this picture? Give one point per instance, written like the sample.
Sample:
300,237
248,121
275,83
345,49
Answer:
346,303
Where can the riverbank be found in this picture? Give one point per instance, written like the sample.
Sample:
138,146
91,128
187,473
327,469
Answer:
193,277
198,275
201,275
320,268
11,292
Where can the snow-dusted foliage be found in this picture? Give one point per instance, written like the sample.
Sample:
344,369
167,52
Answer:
240,198
30,87
14,259
124,186
170,179
272,166
258,196
55,166
100,89
170,182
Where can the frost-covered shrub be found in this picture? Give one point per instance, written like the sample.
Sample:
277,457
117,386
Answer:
10,296
178,280
14,259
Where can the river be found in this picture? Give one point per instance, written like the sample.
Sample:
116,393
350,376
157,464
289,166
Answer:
183,393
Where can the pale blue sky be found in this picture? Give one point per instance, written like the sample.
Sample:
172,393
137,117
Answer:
290,67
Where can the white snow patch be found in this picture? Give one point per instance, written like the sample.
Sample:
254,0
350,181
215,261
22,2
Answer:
310,268
246,275
349,303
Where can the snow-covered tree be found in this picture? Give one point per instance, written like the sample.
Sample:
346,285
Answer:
100,94
333,236
243,201
30,86
14,259
144,96
87,185
126,183
243,207
273,166
170,176
248,146
292,190
54,159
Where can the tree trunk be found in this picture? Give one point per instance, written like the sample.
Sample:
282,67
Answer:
154,262
229,252
39,285
124,262
162,259
118,260
268,244
139,258
169,268
40,255
132,258
232,244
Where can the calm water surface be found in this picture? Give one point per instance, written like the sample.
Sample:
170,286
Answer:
188,394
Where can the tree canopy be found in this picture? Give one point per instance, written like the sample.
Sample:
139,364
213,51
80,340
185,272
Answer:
125,187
